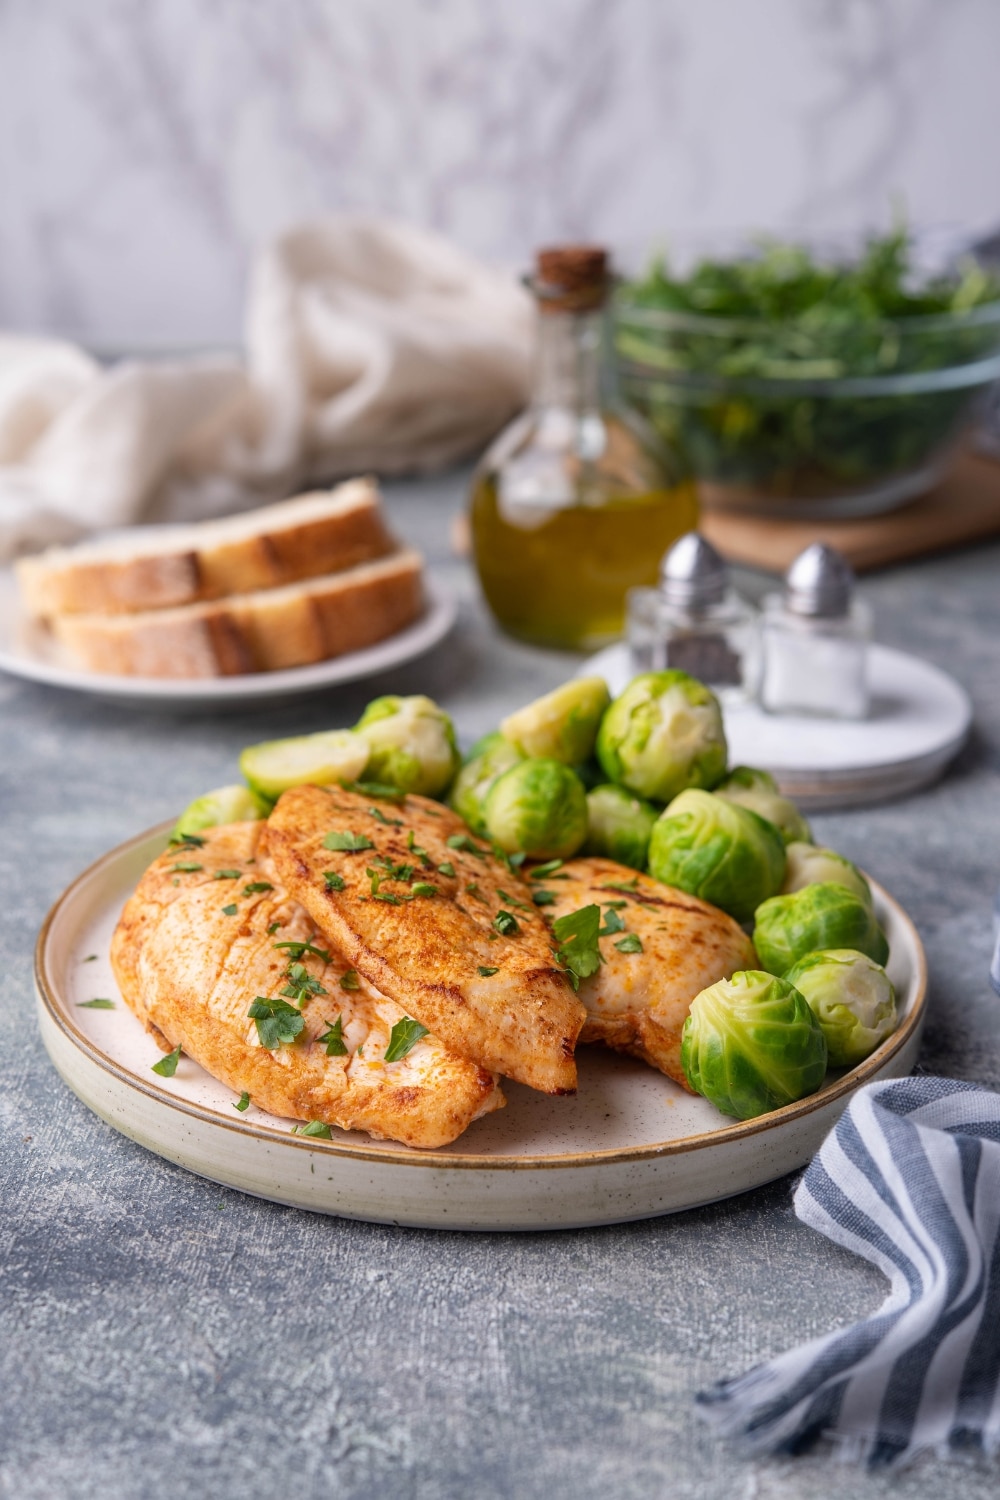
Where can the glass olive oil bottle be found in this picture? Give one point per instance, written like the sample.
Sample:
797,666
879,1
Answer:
576,501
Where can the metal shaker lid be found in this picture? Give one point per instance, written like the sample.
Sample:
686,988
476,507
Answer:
692,574
819,582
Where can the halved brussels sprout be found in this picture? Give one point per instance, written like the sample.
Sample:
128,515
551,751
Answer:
758,790
227,804
818,917
751,1044
852,998
619,825
662,734
309,759
488,759
538,807
563,724
412,744
808,865
714,849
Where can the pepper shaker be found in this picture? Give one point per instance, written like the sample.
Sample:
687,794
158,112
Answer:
695,621
815,640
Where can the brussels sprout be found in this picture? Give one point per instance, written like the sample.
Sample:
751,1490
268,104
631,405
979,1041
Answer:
619,825
662,734
758,790
751,1044
563,724
851,997
316,759
488,759
412,744
808,865
538,807
786,928
227,804
716,850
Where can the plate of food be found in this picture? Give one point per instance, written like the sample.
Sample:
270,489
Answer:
293,597
376,982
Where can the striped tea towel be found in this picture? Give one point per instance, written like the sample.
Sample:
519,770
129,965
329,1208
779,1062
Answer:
910,1179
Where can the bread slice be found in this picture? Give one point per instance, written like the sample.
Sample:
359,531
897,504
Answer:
299,538
256,632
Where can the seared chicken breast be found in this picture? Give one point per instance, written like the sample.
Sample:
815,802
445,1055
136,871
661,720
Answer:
431,917
202,939
638,1000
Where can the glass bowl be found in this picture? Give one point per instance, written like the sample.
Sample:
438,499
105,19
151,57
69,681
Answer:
832,421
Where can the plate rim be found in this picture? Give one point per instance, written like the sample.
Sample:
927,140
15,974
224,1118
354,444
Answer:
402,1156
424,633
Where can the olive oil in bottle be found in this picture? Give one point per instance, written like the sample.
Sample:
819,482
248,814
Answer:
576,502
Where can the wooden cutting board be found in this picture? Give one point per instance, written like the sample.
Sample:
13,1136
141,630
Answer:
963,508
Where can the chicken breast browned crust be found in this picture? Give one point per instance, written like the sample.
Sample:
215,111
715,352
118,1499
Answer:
190,967
638,1002
485,983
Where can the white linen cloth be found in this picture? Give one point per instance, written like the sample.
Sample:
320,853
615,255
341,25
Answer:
371,346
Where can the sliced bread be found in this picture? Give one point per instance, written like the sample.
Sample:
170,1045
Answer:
299,538
254,632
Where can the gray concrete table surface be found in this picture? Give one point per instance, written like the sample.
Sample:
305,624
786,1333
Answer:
163,1336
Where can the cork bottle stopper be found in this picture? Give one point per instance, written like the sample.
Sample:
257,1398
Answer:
572,278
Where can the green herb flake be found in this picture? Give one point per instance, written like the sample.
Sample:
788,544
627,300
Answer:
334,882
626,887
469,846
349,980
303,950
301,984
230,910
403,1038
486,971
167,1066
543,898
186,867
272,928
447,869
576,934
549,868
612,924
614,905
99,1004
423,888
389,898
187,841
506,923
512,900
333,1037
473,890
630,943
277,1021
91,958
257,888
516,860
243,1102
380,817
346,842
314,1128
415,848
227,875
379,790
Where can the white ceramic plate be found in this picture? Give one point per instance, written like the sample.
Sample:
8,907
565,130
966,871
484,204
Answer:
920,719
27,650
629,1145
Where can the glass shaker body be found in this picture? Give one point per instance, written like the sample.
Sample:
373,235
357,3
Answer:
814,664
719,643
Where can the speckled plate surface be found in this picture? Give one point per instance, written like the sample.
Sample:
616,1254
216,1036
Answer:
629,1145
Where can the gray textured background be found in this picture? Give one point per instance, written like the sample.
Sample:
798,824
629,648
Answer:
161,1336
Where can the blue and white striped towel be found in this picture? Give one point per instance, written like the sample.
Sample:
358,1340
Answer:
910,1179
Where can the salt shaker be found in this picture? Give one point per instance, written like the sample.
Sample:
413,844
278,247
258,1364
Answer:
695,621
815,640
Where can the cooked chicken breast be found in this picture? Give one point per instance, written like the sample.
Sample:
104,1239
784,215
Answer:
638,1002
491,993
190,967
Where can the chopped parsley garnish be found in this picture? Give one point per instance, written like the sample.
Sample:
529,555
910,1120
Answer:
506,923
614,905
462,841
415,848
473,890
186,841
99,1004
227,874
423,888
578,950
315,1127
380,790
91,958
257,887
627,887
167,1066
630,943
612,924
243,1102
349,980
549,868
516,859
186,867
380,817
347,842
277,1021
334,882
272,928
301,984
512,900
486,971
544,898
393,871
389,897
301,950
403,1037
446,869
333,1039
230,910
